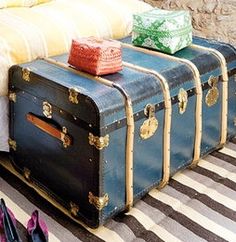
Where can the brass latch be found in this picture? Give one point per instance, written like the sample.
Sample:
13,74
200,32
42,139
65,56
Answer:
74,209
12,144
47,109
98,202
26,74
183,100
213,94
150,125
12,96
73,95
99,142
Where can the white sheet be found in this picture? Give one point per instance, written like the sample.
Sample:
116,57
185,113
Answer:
4,132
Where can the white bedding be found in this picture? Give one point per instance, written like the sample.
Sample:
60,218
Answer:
4,124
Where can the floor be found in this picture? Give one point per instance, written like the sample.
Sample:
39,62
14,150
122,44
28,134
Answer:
197,205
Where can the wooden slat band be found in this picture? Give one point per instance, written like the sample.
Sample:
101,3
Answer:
130,124
225,80
167,119
199,95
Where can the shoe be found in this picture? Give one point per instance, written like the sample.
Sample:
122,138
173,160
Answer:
37,229
8,232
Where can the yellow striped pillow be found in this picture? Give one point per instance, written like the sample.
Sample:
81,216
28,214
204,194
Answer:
21,3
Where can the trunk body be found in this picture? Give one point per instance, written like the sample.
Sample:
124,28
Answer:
88,175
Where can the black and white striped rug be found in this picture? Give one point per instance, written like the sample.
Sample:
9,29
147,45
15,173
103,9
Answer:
197,205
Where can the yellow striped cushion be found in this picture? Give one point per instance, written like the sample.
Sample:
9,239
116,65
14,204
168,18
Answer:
47,29
20,3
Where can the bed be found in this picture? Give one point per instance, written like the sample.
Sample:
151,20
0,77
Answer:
37,28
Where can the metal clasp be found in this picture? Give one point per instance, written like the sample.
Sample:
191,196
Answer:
213,94
150,125
47,109
183,100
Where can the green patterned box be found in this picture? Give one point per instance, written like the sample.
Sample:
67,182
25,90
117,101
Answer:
167,31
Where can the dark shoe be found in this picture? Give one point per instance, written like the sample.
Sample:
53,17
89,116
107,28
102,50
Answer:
37,229
8,232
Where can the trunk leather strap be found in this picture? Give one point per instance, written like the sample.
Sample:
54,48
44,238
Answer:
49,129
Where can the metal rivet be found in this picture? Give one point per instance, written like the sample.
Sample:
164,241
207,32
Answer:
90,125
119,122
137,114
61,111
90,160
75,118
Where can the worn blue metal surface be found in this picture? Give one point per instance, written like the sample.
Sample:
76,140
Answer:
70,174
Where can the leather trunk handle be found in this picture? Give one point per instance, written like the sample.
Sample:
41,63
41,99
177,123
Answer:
49,129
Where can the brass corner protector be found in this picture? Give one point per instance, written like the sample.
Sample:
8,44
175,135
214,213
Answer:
12,144
12,96
183,100
73,95
26,74
74,209
47,109
99,142
98,202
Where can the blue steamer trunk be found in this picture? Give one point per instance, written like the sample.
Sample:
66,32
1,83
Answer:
88,178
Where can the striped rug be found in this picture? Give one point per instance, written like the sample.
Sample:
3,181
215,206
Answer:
197,205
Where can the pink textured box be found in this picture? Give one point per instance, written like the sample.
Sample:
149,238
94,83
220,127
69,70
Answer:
96,56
